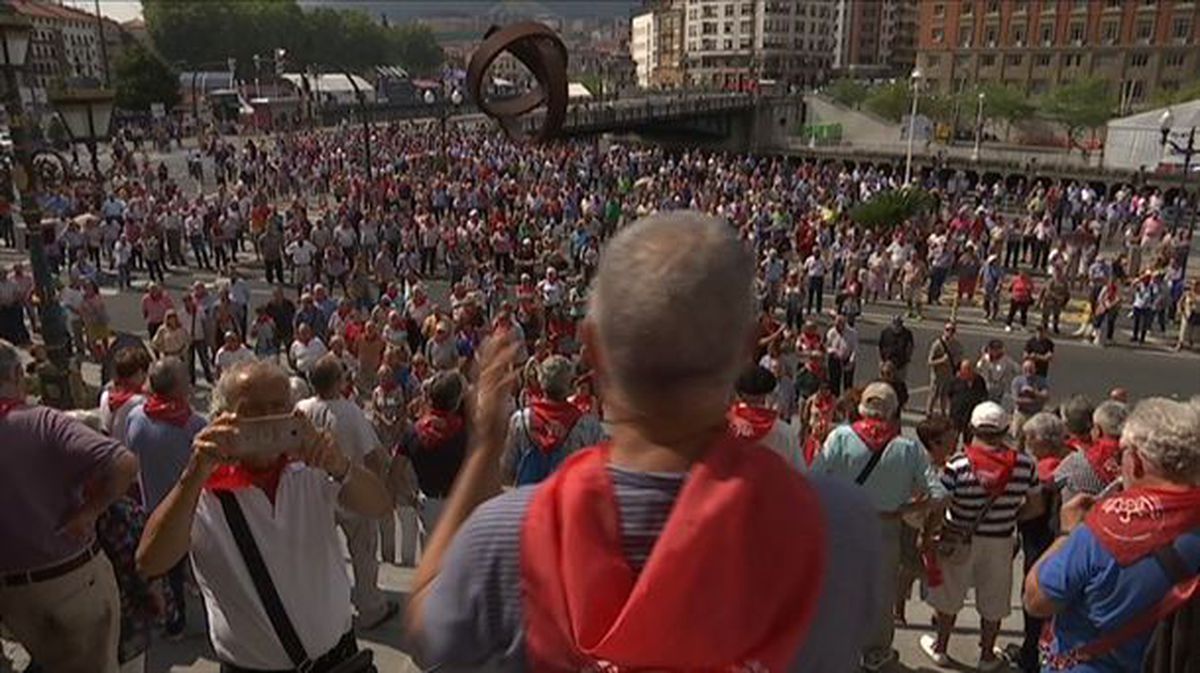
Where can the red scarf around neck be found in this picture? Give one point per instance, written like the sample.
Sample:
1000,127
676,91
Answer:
875,433
1138,521
171,410
550,422
992,467
1104,455
437,427
238,476
731,531
750,422
7,404
119,394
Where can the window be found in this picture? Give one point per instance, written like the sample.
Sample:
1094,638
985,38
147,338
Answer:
708,12
1072,60
993,7
728,27
1139,60
1047,33
1081,5
1174,59
1109,30
1181,28
938,35
1145,29
1041,60
1076,33
729,10
1020,6
1113,4
710,28
746,43
987,60
1014,59
747,10
939,9
968,8
728,45
747,26
692,30
989,35
933,61
1018,35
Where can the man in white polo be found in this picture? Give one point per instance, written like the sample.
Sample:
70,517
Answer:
288,503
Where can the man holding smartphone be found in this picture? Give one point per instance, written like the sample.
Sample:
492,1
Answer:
288,502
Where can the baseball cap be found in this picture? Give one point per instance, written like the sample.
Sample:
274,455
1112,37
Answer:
989,416
878,400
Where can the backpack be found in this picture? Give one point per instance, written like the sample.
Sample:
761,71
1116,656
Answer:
534,464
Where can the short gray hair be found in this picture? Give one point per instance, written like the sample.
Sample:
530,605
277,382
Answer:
1044,426
10,362
226,394
1166,433
167,375
1110,417
672,304
555,375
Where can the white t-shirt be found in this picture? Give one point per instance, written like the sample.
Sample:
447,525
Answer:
299,543
351,430
227,358
305,356
301,252
814,266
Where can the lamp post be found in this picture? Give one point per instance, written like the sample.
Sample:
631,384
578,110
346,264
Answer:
1188,150
455,100
24,181
978,127
87,114
912,125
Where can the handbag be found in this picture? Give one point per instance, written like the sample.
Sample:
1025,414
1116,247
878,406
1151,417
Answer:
954,546
362,661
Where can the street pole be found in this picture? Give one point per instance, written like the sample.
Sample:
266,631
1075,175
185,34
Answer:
24,178
912,126
978,128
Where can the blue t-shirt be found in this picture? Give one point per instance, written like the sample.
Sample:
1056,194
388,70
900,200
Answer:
1098,596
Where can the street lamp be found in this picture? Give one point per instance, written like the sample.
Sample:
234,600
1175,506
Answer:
455,100
912,124
1188,151
978,127
87,114
24,181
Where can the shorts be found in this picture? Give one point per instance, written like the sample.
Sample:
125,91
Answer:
988,570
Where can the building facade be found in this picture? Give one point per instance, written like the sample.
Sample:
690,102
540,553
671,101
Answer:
874,39
735,44
1140,46
64,47
642,44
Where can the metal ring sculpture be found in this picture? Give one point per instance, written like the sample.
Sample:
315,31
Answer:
540,50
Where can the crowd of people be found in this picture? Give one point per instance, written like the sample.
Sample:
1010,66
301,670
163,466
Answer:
523,437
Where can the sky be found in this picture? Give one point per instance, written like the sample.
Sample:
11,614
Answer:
117,10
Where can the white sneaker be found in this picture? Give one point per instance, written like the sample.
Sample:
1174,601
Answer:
928,642
1008,328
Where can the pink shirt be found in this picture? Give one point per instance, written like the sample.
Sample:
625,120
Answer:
155,310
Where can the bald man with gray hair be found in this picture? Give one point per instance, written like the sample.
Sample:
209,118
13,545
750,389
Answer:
1094,467
670,327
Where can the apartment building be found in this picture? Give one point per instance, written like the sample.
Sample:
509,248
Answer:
874,39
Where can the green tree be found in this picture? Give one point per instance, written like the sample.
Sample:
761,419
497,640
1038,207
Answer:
848,92
1004,104
1187,92
890,101
141,78
1079,106
889,209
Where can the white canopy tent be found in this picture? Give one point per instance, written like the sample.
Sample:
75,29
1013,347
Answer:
1136,141
335,87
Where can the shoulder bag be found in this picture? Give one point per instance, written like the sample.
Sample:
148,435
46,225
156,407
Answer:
361,661
954,546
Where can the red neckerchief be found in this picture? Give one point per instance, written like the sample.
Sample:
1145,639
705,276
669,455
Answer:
749,422
1139,521
1079,443
812,342
171,410
237,476
437,427
876,433
584,402
993,467
118,395
550,422
1046,467
7,404
1104,455
583,603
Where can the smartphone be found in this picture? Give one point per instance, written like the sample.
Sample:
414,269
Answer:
269,436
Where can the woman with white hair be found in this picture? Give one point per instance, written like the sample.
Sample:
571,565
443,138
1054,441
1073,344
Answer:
1124,563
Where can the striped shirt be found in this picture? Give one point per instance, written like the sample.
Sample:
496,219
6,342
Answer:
473,613
1075,475
968,498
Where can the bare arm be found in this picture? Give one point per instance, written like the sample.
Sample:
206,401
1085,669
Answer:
479,478
113,482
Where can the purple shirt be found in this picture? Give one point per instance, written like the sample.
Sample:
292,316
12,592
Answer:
45,460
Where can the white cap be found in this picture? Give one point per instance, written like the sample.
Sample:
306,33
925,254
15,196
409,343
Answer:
989,416
878,401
